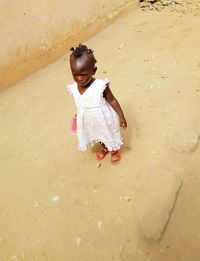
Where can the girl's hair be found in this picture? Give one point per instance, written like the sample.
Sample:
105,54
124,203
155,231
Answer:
78,51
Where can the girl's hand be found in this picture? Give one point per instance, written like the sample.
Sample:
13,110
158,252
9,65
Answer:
123,122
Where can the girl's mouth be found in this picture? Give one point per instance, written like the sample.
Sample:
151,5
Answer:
81,83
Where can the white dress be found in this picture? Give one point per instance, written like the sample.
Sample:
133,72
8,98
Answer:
96,119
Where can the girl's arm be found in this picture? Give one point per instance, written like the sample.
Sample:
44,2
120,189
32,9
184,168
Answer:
116,106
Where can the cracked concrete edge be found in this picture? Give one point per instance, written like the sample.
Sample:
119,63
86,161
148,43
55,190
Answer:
153,217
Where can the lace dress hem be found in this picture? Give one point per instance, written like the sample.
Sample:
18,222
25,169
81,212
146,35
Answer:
91,143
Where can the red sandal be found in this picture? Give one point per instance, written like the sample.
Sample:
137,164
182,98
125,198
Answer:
102,153
115,156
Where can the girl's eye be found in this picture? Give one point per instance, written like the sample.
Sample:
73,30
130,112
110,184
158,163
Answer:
82,75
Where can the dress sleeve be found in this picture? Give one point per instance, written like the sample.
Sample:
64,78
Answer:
106,84
69,88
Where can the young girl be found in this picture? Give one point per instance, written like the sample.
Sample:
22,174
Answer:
99,115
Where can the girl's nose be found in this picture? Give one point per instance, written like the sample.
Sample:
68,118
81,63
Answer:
79,77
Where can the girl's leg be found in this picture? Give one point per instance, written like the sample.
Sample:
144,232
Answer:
102,153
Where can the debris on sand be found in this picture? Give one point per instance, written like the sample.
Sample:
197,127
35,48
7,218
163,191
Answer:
78,241
56,198
1,243
99,224
98,165
157,4
121,46
182,6
127,198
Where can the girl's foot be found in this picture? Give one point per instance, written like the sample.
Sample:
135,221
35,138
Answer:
115,156
102,153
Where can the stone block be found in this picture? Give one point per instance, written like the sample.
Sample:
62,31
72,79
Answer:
155,202
185,141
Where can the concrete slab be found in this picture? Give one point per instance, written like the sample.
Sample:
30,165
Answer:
155,202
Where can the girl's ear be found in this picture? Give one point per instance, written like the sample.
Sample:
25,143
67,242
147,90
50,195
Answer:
95,69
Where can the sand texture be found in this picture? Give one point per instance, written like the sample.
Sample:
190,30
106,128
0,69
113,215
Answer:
59,204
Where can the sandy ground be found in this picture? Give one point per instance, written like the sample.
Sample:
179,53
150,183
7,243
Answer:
56,204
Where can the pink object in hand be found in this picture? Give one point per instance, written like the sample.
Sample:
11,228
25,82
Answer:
73,126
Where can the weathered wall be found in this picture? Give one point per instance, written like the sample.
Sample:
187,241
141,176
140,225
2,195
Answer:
33,33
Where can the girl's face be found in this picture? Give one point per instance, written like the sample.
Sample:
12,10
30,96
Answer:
82,71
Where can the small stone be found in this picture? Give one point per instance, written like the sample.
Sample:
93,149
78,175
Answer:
37,203
121,46
78,241
1,242
143,5
121,252
165,3
98,165
127,198
99,224
56,198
